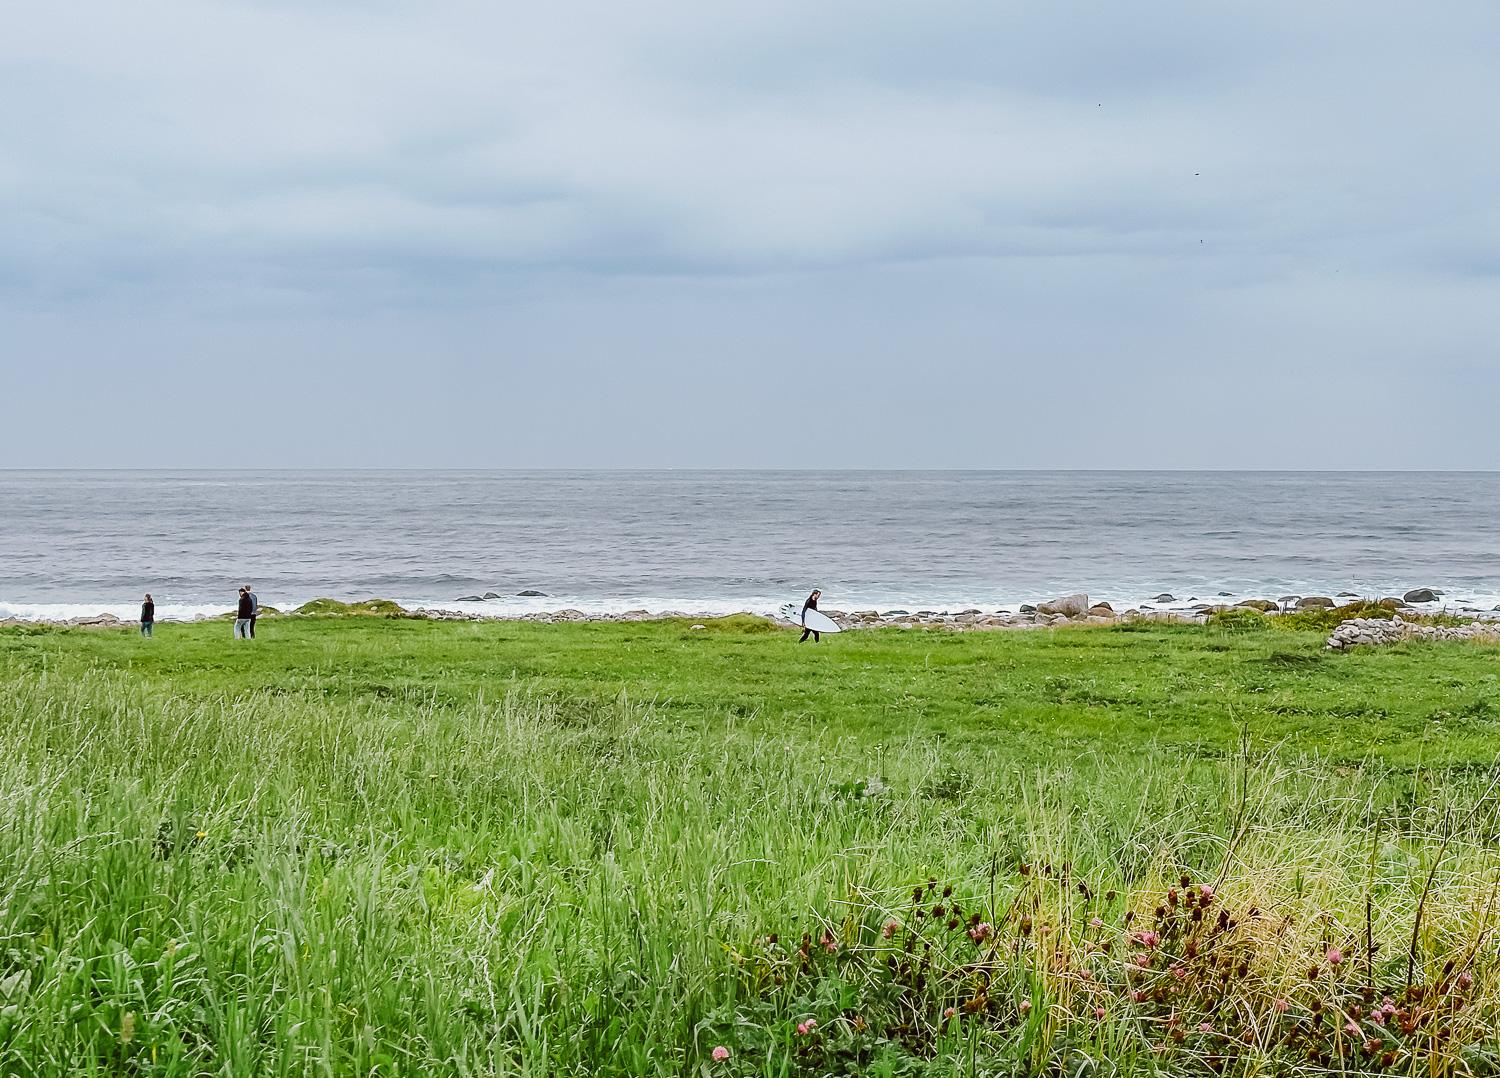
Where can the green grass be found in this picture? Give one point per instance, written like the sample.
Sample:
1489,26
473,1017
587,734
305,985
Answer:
391,846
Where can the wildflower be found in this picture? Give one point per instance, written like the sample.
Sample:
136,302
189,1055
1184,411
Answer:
1096,923
981,932
950,1013
1147,939
1179,973
803,1029
1335,956
202,835
1281,1006
1205,1027
1085,975
1465,979
720,1053
1377,1016
1025,1006
1099,1013
890,929
1137,996
1205,892
1351,1028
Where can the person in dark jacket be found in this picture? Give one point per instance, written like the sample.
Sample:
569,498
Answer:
811,604
254,609
148,615
242,615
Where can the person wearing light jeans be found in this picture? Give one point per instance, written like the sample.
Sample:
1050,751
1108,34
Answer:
242,615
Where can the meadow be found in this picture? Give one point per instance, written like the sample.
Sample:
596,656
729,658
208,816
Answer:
385,846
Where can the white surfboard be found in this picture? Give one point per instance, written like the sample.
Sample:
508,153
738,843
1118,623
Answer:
815,620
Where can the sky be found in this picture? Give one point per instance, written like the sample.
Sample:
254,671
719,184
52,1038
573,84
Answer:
670,234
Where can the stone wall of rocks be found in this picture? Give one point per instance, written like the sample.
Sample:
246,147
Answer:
1373,632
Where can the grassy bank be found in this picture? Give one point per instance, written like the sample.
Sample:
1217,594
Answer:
402,847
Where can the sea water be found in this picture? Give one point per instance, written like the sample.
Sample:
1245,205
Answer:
83,543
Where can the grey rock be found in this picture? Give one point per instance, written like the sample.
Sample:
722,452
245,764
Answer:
1070,605
1027,608
531,594
492,595
1421,595
469,599
1316,602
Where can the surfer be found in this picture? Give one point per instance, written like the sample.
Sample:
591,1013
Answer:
811,604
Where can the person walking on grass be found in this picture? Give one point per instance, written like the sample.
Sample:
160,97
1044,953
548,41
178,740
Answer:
148,615
254,609
811,604
242,615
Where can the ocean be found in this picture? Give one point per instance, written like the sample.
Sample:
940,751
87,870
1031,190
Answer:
83,543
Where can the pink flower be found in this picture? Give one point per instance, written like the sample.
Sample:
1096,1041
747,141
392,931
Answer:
890,929
981,932
1351,1028
1465,979
1280,1006
1335,956
1137,996
1377,1016
1025,1006
1099,1013
1096,923
1206,892
949,1013
1205,1027
720,1054
1179,973
1085,975
1147,939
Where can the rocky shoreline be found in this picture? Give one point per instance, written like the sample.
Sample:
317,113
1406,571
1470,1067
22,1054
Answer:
1076,609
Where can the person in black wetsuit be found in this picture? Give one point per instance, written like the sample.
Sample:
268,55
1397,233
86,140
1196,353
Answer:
811,604
148,615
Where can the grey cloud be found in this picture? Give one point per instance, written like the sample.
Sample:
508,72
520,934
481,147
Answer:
702,210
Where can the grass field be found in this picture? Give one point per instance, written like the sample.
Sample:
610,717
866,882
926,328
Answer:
383,846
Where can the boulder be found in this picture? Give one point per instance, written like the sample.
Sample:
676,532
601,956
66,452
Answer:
531,594
1316,602
1421,595
1101,610
1165,597
492,595
1027,608
1069,605
1265,606
1348,595
469,599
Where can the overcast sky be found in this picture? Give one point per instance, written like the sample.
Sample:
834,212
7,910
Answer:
661,233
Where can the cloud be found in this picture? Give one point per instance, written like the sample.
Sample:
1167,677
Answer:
1091,188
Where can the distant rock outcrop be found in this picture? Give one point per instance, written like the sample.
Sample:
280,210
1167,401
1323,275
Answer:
1422,595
